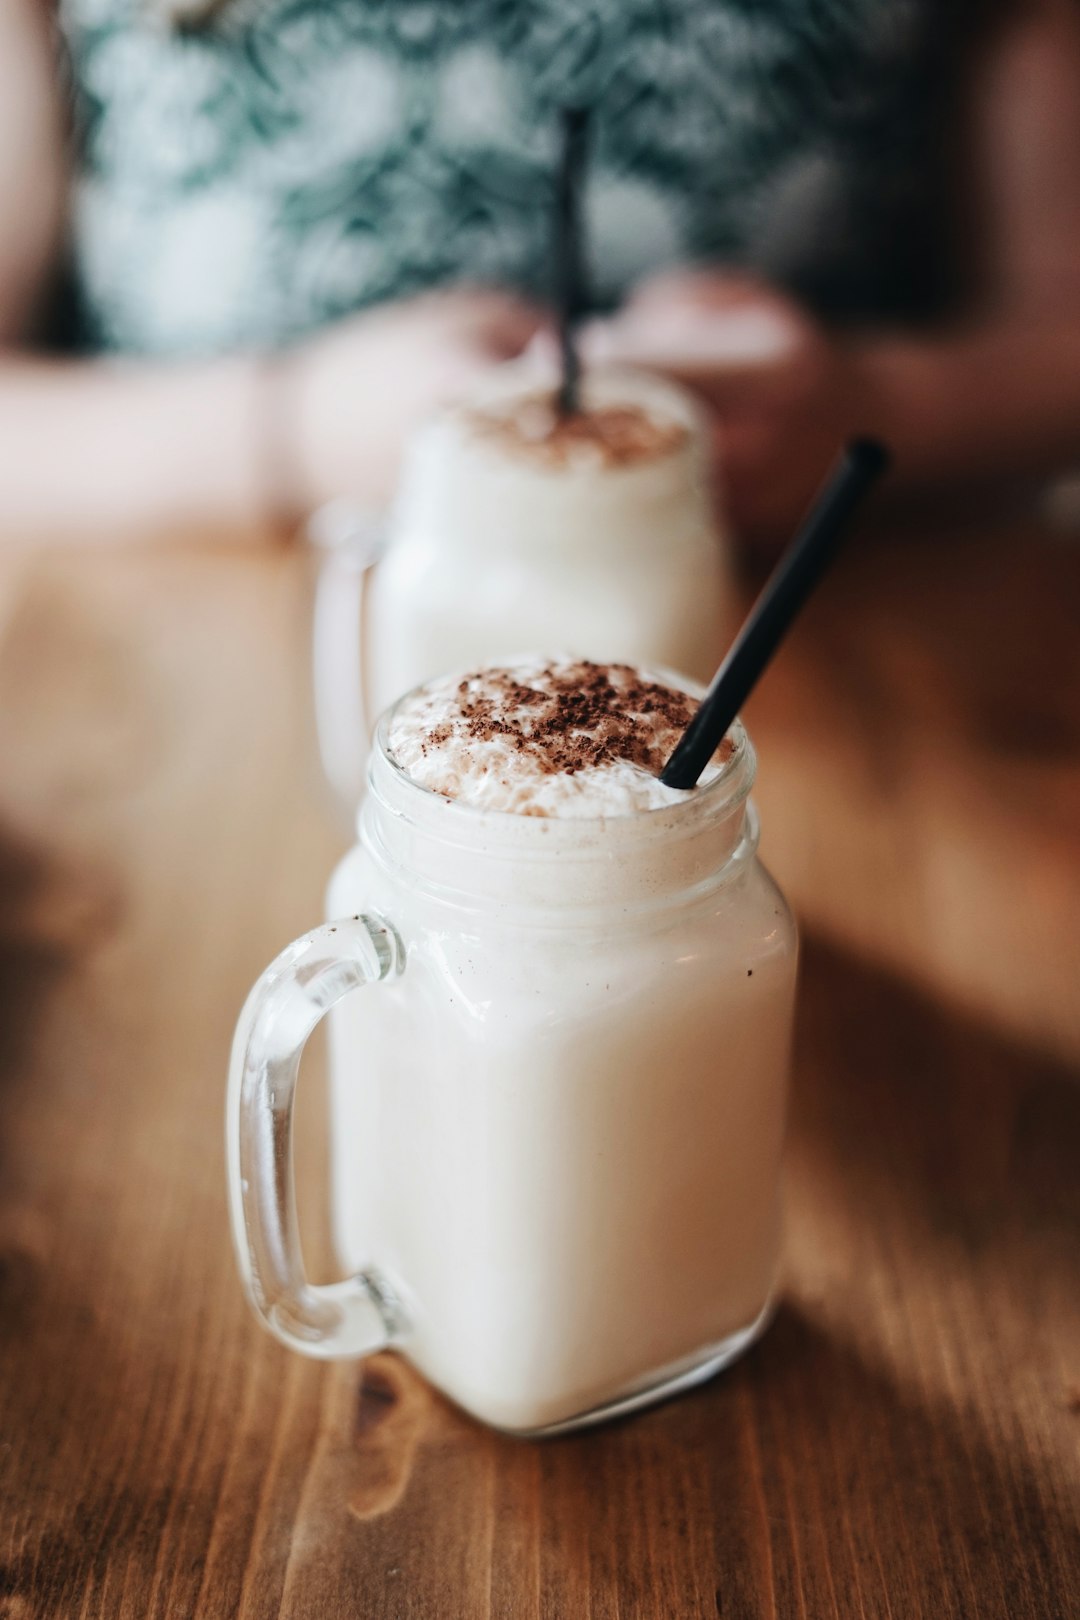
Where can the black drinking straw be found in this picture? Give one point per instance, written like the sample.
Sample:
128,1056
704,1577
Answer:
798,571
569,253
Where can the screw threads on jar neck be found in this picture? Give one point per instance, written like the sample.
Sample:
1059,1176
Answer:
554,865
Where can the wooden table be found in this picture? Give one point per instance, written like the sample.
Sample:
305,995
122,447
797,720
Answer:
903,1444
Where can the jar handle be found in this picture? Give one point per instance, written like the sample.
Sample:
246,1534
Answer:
347,542
358,1315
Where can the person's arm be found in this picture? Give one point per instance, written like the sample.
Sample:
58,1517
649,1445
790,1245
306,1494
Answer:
93,448
31,166
96,451
111,450
1002,395
123,449
998,396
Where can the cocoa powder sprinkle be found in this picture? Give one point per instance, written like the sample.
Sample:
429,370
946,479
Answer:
610,435
574,715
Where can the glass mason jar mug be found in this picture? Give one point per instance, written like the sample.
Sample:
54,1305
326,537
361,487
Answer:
556,1122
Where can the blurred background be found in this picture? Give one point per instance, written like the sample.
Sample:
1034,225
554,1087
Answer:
247,245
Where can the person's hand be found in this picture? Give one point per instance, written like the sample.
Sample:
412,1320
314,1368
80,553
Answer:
357,391
782,392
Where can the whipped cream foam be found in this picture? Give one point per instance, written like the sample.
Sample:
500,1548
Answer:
559,737
602,436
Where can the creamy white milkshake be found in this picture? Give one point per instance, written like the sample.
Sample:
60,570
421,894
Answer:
557,1132
516,529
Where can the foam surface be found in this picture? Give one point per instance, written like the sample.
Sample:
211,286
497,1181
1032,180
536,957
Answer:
563,738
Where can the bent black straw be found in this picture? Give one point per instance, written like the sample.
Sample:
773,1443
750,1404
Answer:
799,570
569,253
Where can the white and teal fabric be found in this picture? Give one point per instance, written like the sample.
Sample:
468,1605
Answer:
282,162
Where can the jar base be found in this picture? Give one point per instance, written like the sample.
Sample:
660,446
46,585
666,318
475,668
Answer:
670,1381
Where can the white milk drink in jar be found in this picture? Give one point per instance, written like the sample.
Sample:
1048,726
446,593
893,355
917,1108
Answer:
557,1106
515,529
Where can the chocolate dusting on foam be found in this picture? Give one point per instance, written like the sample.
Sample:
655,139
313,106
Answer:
572,716
606,435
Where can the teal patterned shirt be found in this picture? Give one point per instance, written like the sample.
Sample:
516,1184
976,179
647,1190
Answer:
245,179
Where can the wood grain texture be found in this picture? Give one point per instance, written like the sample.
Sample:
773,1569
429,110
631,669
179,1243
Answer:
904,1442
